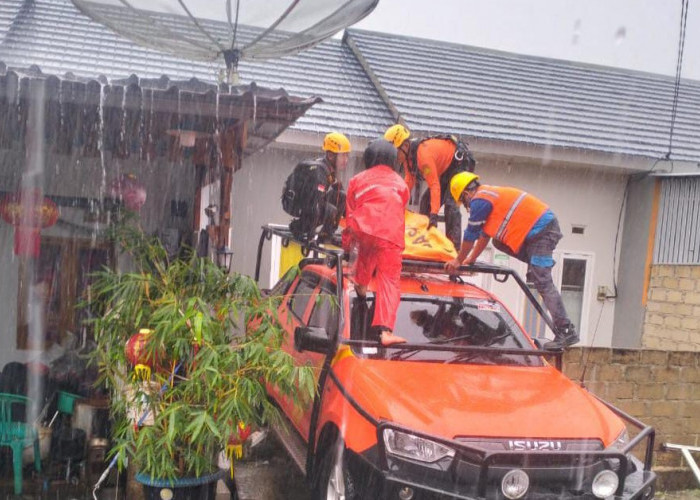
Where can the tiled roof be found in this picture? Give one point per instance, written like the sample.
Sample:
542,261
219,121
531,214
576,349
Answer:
440,87
55,36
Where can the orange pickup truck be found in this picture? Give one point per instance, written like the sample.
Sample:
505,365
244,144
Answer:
470,407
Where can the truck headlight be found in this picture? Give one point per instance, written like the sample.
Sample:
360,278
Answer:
402,444
605,484
515,484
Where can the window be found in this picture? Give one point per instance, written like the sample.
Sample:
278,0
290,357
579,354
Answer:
532,321
571,275
302,295
325,311
573,280
424,319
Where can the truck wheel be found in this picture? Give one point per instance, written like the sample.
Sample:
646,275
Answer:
334,480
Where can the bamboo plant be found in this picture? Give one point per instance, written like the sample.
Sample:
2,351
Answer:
212,366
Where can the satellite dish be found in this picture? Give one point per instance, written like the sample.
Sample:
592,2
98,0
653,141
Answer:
231,30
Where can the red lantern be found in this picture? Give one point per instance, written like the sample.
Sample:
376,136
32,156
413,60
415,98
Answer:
29,212
136,349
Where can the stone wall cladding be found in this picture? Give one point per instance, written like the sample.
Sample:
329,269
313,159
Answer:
660,388
672,318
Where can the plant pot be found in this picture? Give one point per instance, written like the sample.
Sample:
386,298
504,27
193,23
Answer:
186,488
66,402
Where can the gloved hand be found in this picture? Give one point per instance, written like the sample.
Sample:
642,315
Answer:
433,218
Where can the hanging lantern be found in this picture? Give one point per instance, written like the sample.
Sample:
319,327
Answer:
136,349
130,190
29,212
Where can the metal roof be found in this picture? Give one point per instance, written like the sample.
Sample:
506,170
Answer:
140,116
439,87
55,36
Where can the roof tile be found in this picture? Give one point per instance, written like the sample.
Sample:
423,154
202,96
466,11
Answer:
441,87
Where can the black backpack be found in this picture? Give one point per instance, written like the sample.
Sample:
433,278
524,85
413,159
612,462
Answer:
305,187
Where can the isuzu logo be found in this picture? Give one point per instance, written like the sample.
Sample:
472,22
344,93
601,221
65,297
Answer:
534,445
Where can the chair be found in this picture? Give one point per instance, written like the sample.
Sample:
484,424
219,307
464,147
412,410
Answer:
16,433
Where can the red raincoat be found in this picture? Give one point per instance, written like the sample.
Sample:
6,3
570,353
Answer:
375,205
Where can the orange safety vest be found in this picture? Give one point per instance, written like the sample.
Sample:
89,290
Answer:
514,214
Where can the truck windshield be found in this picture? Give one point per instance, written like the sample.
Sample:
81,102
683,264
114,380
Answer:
450,321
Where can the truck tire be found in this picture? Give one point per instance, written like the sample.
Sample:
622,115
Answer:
334,480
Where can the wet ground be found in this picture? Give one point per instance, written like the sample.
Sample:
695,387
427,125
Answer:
268,474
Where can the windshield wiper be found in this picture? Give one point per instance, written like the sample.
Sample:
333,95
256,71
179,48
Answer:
445,341
405,353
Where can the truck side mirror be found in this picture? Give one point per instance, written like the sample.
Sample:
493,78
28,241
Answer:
312,338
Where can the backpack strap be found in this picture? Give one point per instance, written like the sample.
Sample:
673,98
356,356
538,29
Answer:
463,159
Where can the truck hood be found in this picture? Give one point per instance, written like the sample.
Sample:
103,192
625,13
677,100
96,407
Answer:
459,400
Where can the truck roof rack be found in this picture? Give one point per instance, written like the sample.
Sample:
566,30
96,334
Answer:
334,256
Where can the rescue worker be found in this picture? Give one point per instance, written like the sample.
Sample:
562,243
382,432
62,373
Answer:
436,159
313,193
375,225
521,226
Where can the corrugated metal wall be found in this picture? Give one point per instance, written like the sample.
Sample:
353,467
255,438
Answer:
678,226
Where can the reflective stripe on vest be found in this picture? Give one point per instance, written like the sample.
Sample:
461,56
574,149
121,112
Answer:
513,214
506,219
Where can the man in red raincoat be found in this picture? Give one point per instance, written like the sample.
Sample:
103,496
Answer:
375,223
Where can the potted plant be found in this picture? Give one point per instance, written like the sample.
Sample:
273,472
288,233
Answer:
202,369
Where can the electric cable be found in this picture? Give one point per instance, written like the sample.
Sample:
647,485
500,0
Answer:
667,156
679,67
588,353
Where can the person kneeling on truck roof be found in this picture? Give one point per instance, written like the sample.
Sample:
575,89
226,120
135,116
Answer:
375,224
521,226
313,193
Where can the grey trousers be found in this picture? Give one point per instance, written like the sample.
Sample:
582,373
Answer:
537,252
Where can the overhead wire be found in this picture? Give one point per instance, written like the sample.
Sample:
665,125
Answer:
666,157
679,67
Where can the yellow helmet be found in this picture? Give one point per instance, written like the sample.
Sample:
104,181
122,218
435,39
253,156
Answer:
460,182
396,134
335,142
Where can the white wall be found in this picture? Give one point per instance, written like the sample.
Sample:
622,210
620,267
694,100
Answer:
256,195
586,196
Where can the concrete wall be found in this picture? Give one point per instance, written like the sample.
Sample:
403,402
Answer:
579,196
672,319
660,388
629,310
